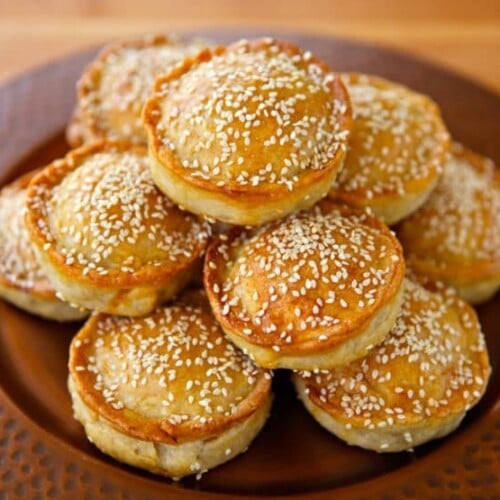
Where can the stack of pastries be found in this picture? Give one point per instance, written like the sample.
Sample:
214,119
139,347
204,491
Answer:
224,213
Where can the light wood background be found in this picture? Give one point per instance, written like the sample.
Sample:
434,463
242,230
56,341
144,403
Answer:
462,35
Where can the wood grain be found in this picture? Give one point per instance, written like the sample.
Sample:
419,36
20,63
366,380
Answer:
462,35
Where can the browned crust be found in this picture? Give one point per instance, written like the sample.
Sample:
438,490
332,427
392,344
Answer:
44,291
360,197
442,412
41,290
384,199
213,275
50,177
150,429
253,194
91,76
459,274
465,272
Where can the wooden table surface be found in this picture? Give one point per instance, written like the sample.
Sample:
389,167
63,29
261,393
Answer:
462,35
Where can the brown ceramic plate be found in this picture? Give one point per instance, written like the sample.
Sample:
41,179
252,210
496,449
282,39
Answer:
43,451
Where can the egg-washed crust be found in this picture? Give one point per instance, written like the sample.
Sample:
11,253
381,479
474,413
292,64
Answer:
474,292
171,460
40,289
223,253
431,368
51,309
39,192
397,193
264,190
89,125
33,292
466,273
132,423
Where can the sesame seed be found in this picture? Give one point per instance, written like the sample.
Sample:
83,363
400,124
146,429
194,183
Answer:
404,121
126,76
111,205
229,97
18,264
166,344
291,258
439,378
458,216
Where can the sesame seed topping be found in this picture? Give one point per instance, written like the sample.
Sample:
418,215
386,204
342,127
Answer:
107,215
18,264
258,116
426,365
460,221
397,138
116,87
176,359
286,280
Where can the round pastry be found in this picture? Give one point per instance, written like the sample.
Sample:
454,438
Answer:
248,133
397,147
22,281
315,290
455,236
113,88
414,386
167,392
107,238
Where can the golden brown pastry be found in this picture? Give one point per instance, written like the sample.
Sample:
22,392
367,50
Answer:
167,392
396,150
248,133
416,385
455,236
315,290
113,88
22,281
107,238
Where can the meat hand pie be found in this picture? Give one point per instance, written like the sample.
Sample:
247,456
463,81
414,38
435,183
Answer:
114,87
455,236
248,133
167,392
416,385
107,238
396,151
22,280
315,290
